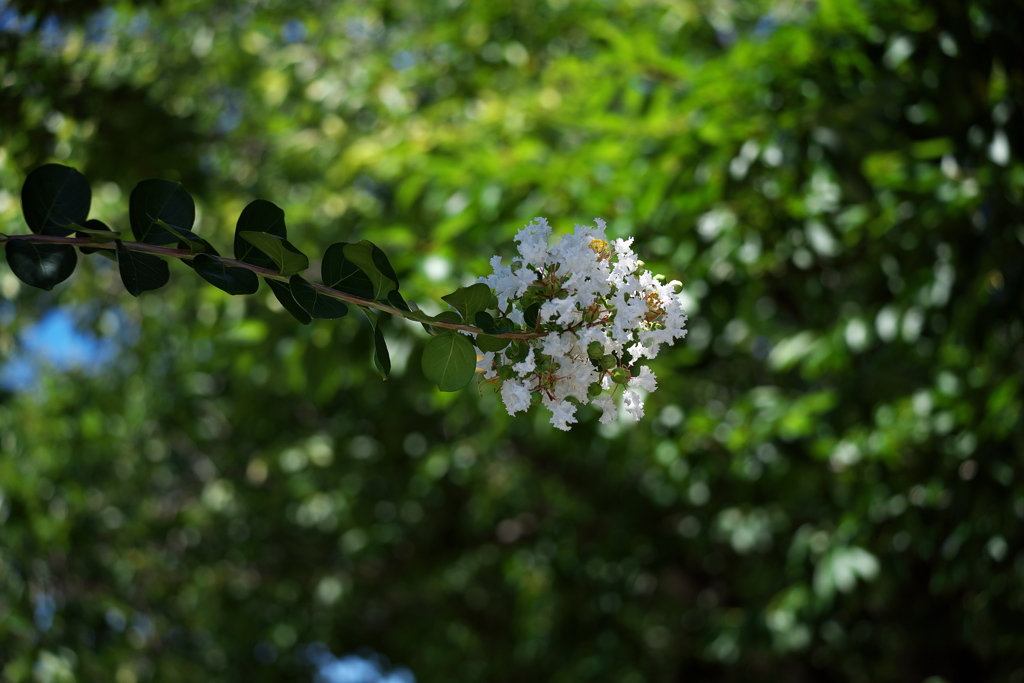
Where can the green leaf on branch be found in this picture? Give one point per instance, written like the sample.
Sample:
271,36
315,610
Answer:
381,358
259,216
41,265
315,302
530,315
396,300
286,256
486,322
231,279
449,360
487,343
469,300
283,292
188,239
98,233
54,198
155,204
141,272
372,261
343,275
443,316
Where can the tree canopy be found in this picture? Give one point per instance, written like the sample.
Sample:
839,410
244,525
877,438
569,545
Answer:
825,488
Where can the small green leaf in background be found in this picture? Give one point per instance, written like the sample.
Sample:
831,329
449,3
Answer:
231,279
160,200
449,360
259,216
141,272
469,300
41,265
286,256
343,275
54,197
283,292
315,302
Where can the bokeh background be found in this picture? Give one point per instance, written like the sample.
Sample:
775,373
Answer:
194,487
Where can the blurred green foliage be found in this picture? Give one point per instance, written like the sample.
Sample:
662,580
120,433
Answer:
826,487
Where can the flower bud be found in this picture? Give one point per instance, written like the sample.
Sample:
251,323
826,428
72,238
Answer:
594,390
620,375
595,350
608,362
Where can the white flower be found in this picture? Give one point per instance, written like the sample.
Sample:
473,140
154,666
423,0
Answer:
486,363
533,241
592,293
515,395
562,414
607,404
646,380
633,404
528,365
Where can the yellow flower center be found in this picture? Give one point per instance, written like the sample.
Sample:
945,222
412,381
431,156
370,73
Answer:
600,248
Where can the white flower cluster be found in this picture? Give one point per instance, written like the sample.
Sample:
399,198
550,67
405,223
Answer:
599,313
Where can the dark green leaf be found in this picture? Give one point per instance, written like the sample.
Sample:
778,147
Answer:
381,358
188,239
99,233
443,316
53,198
487,343
380,260
530,315
160,200
396,300
259,216
141,272
449,360
315,302
469,300
232,279
486,322
343,275
283,292
285,255
41,265
364,256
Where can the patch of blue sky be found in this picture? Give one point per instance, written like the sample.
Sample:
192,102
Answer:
364,667
59,342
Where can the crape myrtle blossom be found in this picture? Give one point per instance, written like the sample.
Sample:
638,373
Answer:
600,312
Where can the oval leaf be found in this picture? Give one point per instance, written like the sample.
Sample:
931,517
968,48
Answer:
315,302
41,265
231,279
362,255
449,360
53,198
141,272
285,255
283,292
341,274
259,216
99,233
469,300
160,200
